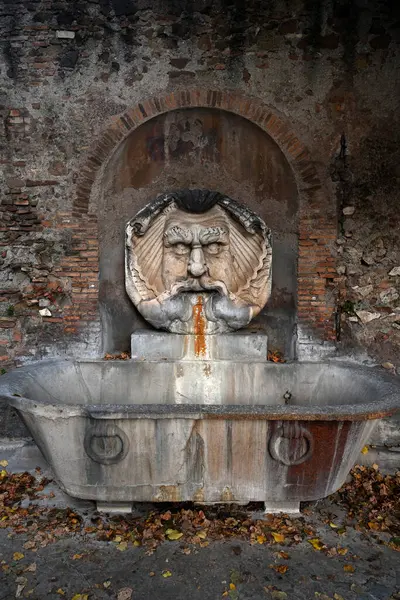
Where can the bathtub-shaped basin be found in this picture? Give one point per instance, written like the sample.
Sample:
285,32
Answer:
207,431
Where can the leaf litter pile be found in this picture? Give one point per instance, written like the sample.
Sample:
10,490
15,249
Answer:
371,501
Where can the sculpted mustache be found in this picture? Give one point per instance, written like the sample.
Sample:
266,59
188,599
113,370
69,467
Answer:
204,282
209,284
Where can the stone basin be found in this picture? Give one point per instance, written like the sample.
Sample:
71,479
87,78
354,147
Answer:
205,431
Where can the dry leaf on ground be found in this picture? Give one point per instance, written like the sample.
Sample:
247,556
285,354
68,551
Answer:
173,534
278,537
166,574
316,543
18,555
279,568
125,593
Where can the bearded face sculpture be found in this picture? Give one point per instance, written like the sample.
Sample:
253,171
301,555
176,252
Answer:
197,260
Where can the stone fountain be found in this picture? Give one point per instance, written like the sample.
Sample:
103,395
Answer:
198,265
198,413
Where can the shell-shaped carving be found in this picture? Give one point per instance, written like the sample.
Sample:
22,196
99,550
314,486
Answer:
235,260
250,263
146,256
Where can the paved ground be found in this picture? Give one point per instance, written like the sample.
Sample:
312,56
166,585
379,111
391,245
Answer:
50,553
206,573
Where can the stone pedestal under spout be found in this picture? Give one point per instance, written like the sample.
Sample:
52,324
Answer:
157,345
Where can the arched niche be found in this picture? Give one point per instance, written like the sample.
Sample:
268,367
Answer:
197,148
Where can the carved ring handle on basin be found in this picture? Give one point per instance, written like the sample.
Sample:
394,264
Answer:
106,444
291,430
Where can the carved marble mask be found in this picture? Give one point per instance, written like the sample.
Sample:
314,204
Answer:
197,254
198,248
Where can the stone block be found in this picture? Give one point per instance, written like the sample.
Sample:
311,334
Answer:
65,35
156,345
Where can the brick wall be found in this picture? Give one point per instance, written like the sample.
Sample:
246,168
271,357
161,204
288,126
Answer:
77,79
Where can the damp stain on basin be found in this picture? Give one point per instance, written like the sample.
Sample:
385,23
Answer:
118,432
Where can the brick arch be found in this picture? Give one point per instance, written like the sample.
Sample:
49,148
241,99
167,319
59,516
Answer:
317,217
249,108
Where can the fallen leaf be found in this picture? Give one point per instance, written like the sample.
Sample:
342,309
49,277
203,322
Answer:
77,556
261,539
18,555
3,463
173,534
21,583
166,574
349,568
395,541
333,525
278,537
279,568
60,591
106,584
202,535
122,356
235,576
232,586
275,356
152,573
29,545
342,551
316,543
338,597
278,595
283,554
365,450
373,525
124,594
122,546
31,568
80,597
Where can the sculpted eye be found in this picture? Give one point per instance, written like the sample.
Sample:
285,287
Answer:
213,248
181,249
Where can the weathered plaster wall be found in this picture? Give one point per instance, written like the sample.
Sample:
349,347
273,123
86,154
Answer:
329,70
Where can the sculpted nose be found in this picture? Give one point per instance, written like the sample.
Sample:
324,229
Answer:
197,265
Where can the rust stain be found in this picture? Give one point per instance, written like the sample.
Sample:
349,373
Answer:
199,328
